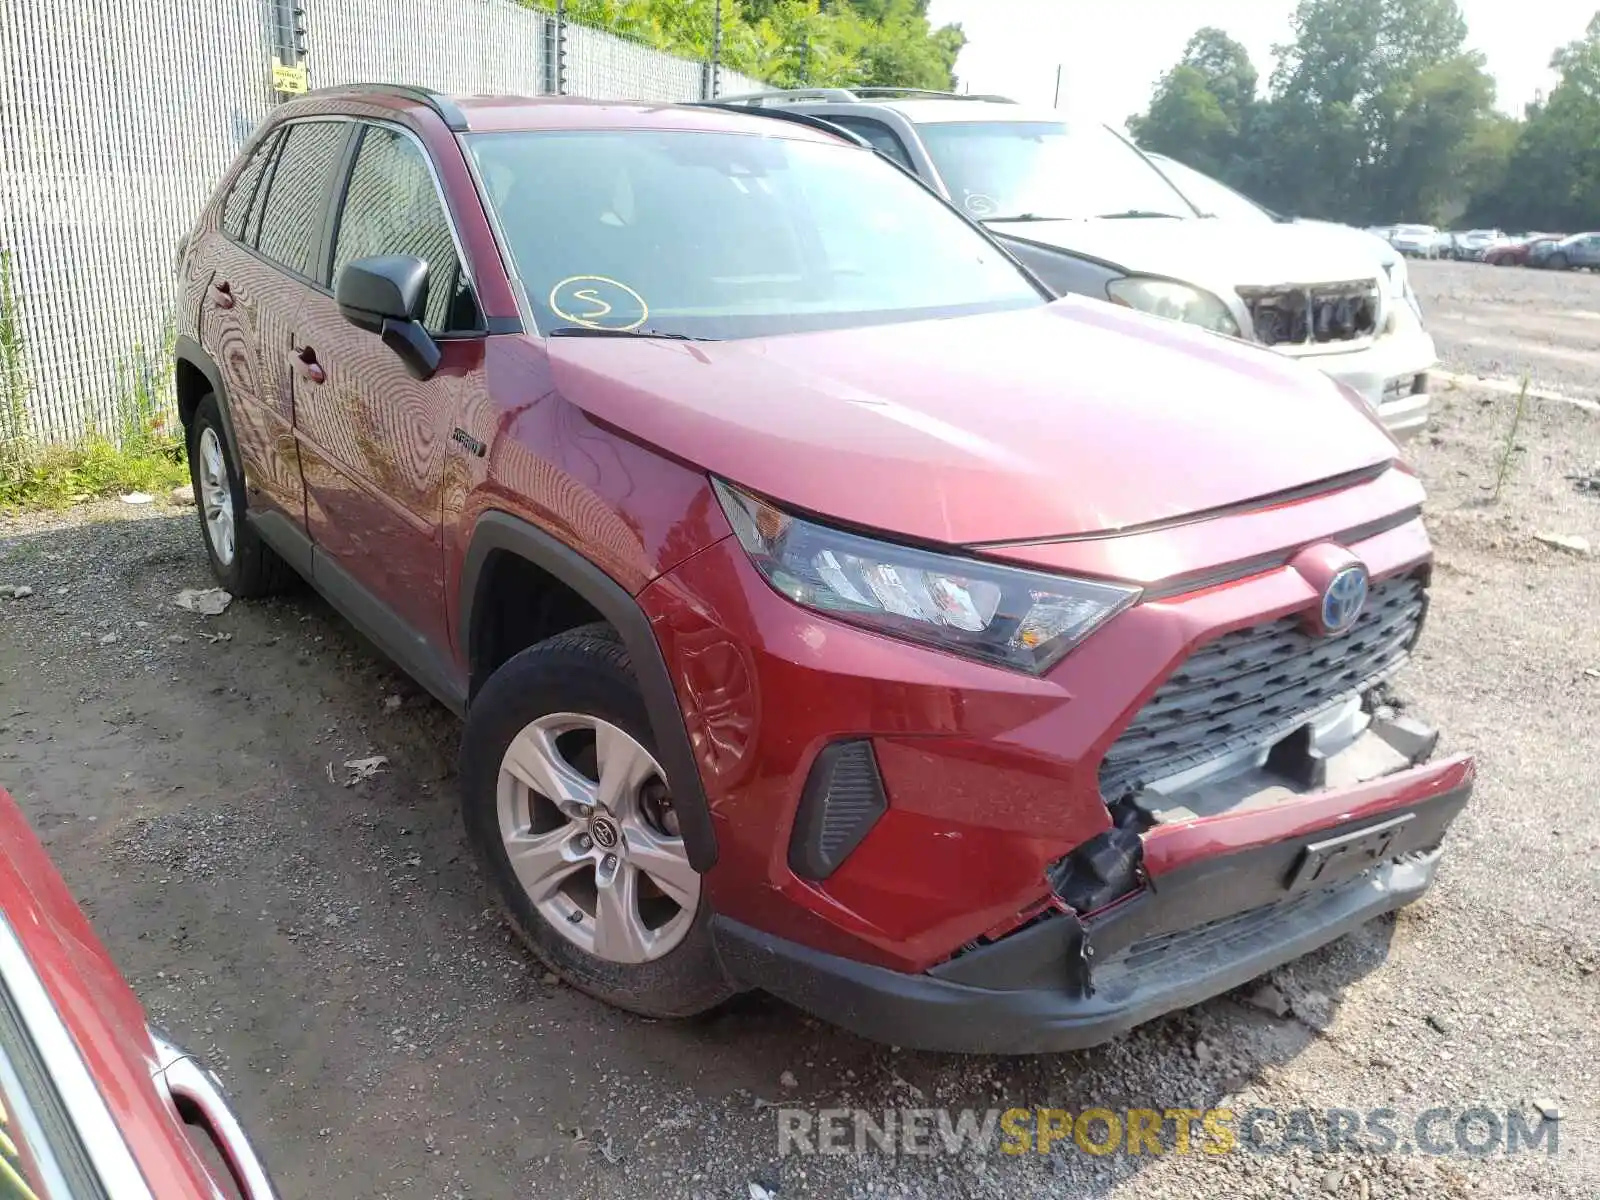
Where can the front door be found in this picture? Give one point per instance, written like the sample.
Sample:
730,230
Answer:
374,439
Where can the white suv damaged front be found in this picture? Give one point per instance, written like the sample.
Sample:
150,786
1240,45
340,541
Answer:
1092,215
1323,294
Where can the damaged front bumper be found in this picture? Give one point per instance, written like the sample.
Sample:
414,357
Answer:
1226,887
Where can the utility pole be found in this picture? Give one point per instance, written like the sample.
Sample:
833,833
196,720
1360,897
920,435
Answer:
716,49
1057,102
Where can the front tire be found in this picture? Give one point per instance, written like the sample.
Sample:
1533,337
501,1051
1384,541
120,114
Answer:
566,805
1557,262
242,563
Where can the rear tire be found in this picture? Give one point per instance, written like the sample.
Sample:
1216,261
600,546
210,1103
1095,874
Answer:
559,767
242,563
1557,262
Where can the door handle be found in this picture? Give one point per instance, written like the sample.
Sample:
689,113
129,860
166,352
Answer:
222,293
304,361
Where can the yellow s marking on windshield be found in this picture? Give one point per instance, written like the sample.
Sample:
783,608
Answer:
582,300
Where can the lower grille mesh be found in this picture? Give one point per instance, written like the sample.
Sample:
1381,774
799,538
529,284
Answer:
1254,686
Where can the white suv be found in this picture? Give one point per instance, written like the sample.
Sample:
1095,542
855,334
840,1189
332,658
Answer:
1091,214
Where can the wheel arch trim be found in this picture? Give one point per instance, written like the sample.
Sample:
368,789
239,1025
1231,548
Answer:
188,351
497,531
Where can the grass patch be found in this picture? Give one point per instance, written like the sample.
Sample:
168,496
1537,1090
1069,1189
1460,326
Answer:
58,476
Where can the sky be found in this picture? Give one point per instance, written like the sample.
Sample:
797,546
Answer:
1112,52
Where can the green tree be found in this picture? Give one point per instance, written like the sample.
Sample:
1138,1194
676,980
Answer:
1375,111
1343,84
1553,177
838,43
1424,168
1229,74
1203,106
1187,121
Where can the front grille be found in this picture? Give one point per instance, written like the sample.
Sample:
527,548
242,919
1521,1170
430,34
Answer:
1322,312
1251,687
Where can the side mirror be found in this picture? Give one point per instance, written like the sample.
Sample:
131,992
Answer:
384,294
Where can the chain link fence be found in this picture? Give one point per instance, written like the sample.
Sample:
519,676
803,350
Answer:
117,117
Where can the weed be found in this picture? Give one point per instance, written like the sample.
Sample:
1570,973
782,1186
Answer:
1510,446
14,384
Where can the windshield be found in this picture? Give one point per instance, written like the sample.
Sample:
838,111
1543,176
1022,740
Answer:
1210,197
730,235
1042,169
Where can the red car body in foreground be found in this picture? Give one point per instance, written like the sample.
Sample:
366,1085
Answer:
830,611
94,1103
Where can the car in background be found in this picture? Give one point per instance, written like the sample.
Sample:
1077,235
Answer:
92,1102
1581,251
1474,244
1091,215
1516,252
1418,241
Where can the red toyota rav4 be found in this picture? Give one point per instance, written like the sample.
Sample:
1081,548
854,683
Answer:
831,613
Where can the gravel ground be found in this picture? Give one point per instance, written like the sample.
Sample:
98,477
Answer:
333,952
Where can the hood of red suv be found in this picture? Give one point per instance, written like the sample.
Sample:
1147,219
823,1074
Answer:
1070,418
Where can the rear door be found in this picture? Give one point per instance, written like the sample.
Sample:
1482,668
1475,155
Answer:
373,438
263,270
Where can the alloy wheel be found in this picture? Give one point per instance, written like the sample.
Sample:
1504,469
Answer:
216,496
588,826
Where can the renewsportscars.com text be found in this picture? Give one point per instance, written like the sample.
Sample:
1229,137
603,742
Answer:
1472,1132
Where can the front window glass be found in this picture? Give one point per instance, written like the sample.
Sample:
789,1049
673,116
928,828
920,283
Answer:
1211,197
730,235
392,207
1047,169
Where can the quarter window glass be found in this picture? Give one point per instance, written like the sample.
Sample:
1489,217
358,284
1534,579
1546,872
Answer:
883,138
237,210
393,207
291,221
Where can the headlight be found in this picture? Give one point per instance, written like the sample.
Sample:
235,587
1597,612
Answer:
1000,615
1179,301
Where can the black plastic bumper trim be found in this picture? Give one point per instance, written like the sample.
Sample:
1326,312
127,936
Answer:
1032,1003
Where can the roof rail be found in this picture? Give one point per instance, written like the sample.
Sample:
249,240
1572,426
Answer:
794,118
849,95
445,107
779,95
867,92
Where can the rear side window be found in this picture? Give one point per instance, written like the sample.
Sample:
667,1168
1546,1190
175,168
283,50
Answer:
291,219
236,212
883,138
393,207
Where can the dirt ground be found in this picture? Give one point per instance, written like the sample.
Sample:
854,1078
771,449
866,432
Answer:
333,952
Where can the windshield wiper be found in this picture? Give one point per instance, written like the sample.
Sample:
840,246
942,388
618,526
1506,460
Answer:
1139,214
1025,217
597,331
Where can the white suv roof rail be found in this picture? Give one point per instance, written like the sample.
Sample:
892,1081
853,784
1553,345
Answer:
850,95
782,95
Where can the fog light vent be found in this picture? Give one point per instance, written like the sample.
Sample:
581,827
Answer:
842,801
